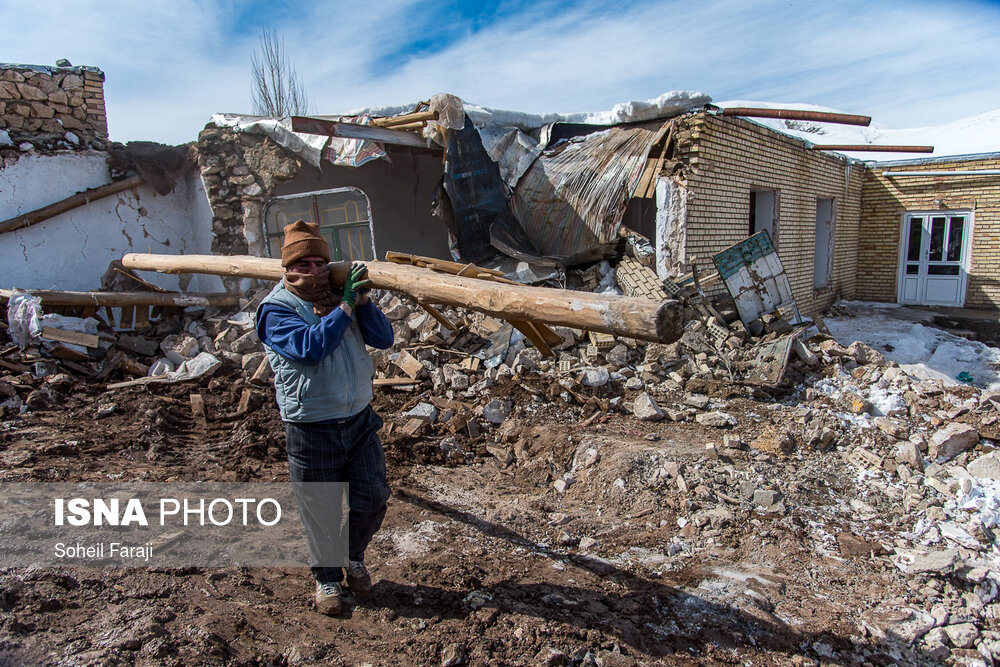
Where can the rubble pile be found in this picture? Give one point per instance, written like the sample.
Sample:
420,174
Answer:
845,457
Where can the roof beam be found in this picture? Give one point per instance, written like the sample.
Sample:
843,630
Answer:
799,114
873,148
332,128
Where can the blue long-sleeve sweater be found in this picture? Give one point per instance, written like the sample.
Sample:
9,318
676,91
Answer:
291,337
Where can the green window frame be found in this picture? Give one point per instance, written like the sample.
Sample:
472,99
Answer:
344,216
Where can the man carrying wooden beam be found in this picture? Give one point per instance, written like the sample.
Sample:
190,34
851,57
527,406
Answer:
315,341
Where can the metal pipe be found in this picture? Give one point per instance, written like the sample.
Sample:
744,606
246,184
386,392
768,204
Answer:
874,148
970,172
798,114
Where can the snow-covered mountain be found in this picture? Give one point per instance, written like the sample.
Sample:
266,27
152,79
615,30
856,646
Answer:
975,134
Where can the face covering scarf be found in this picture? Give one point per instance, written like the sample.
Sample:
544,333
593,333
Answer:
313,288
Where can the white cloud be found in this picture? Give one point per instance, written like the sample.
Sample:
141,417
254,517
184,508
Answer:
171,65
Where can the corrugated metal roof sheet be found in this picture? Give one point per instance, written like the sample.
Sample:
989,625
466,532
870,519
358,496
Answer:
573,196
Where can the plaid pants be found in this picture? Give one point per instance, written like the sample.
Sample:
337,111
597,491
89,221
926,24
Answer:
347,451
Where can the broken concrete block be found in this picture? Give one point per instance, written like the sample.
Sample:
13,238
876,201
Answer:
951,440
852,545
248,342
617,357
646,409
251,361
962,635
587,543
424,411
397,311
864,354
634,384
986,466
178,348
804,353
496,411
696,401
936,562
909,454
716,419
137,344
764,498
891,427
595,377
833,349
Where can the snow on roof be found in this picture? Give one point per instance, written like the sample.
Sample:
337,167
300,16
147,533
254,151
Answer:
668,104
972,135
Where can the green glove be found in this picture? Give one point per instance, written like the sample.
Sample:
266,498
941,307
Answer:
356,280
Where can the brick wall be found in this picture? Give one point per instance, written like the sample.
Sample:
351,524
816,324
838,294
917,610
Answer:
35,98
886,199
726,157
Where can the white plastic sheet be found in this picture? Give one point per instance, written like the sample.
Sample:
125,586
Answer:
23,316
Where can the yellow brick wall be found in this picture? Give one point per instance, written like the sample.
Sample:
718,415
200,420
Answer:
726,157
886,199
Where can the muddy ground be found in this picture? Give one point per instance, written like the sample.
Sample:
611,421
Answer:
480,560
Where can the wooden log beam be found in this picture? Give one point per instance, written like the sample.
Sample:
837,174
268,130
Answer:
873,148
406,119
125,299
68,204
798,114
332,128
633,317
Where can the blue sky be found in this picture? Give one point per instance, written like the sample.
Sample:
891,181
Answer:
170,65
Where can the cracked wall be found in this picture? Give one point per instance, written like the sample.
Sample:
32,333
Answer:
71,251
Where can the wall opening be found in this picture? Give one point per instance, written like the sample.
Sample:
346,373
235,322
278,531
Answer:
823,257
344,216
762,212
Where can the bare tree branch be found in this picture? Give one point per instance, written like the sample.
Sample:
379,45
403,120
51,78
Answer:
276,89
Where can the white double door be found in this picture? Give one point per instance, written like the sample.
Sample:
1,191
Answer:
934,261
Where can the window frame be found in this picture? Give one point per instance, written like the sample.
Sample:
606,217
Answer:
335,249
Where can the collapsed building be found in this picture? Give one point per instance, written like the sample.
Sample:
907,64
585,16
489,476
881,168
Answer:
674,200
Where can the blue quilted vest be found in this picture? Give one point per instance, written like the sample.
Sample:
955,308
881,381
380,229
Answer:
338,387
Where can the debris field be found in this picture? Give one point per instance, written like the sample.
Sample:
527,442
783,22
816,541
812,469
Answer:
615,502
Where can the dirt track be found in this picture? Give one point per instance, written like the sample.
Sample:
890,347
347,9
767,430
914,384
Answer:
499,577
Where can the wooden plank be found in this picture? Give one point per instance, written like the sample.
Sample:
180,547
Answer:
332,128
74,337
13,366
68,204
529,331
127,317
436,314
651,188
393,382
73,366
118,299
133,367
68,354
141,317
244,405
405,119
408,364
443,264
197,405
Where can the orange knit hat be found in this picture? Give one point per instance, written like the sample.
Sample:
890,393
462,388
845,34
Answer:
302,239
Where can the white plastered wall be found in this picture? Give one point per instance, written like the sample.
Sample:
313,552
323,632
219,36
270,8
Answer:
72,251
671,228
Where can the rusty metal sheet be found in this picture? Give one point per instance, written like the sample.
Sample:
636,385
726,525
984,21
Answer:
574,194
756,279
768,367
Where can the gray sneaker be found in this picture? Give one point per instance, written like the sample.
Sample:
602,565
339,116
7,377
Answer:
328,599
358,579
